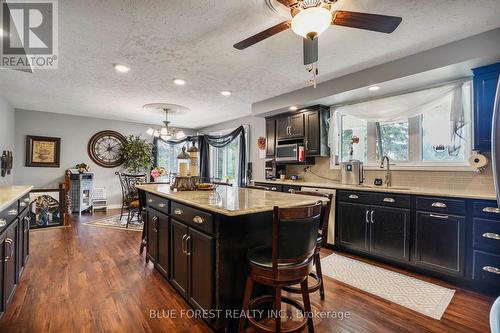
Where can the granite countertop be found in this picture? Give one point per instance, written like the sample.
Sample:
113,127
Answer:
9,194
395,189
233,201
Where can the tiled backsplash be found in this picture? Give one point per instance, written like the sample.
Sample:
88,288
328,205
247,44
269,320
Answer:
452,180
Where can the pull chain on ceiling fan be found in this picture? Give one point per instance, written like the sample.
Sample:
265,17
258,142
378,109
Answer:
310,18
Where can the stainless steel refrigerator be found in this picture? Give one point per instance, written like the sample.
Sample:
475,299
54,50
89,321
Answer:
495,143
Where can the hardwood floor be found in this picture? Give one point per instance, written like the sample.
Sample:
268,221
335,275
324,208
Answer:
89,279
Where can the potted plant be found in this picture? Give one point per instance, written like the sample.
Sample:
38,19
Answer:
137,154
82,167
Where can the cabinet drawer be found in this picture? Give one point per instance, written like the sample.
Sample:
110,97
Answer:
192,217
486,235
355,197
486,267
272,187
488,209
24,202
158,203
391,200
290,188
441,205
9,214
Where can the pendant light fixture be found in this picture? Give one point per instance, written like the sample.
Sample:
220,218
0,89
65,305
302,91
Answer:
166,132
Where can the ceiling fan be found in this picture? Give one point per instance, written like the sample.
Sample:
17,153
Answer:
310,18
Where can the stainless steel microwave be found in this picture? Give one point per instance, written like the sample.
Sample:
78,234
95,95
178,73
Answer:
287,153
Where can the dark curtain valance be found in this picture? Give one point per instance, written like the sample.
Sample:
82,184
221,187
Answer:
216,141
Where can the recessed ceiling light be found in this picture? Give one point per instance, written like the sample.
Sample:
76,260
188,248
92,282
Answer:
293,108
179,82
225,93
121,68
374,88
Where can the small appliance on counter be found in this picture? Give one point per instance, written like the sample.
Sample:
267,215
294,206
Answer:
351,173
273,170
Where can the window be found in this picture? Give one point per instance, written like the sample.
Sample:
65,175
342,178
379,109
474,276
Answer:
225,162
425,128
166,155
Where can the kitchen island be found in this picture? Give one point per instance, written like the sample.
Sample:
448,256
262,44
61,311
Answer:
198,240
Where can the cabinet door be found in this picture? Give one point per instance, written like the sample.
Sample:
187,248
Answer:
163,243
440,242
485,86
26,238
178,257
10,277
282,128
20,242
201,256
312,139
352,220
3,252
152,234
390,232
270,137
296,125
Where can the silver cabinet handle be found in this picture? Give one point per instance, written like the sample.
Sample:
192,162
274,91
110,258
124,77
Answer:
161,205
12,212
439,216
366,216
353,196
391,200
291,190
150,200
8,241
198,219
22,204
3,222
371,217
184,244
178,211
155,225
491,235
307,144
439,205
27,200
491,269
188,248
494,210
273,188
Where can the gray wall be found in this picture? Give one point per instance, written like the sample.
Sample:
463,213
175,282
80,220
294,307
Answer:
6,135
257,129
75,133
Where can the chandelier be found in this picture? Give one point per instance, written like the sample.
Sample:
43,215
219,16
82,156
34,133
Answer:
165,132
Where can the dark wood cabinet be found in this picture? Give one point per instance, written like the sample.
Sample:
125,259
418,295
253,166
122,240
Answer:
485,85
439,242
352,220
290,127
179,262
312,133
201,256
390,232
152,234
9,258
270,138
163,233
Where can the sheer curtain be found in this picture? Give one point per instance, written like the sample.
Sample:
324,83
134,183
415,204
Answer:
403,107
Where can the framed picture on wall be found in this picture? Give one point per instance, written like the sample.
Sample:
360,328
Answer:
43,151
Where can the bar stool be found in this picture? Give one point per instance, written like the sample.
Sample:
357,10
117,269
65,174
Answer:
320,241
287,262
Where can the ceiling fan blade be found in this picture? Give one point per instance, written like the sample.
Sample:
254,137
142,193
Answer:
262,35
310,50
373,22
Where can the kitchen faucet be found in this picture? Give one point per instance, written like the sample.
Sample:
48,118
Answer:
388,170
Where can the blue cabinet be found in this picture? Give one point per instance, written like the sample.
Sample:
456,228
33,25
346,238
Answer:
485,85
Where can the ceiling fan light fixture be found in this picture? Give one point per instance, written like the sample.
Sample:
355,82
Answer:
311,21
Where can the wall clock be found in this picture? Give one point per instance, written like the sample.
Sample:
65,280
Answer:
104,148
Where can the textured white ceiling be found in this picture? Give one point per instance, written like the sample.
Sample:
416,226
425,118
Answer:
161,40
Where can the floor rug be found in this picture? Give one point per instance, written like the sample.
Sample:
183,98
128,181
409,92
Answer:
116,223
423,297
